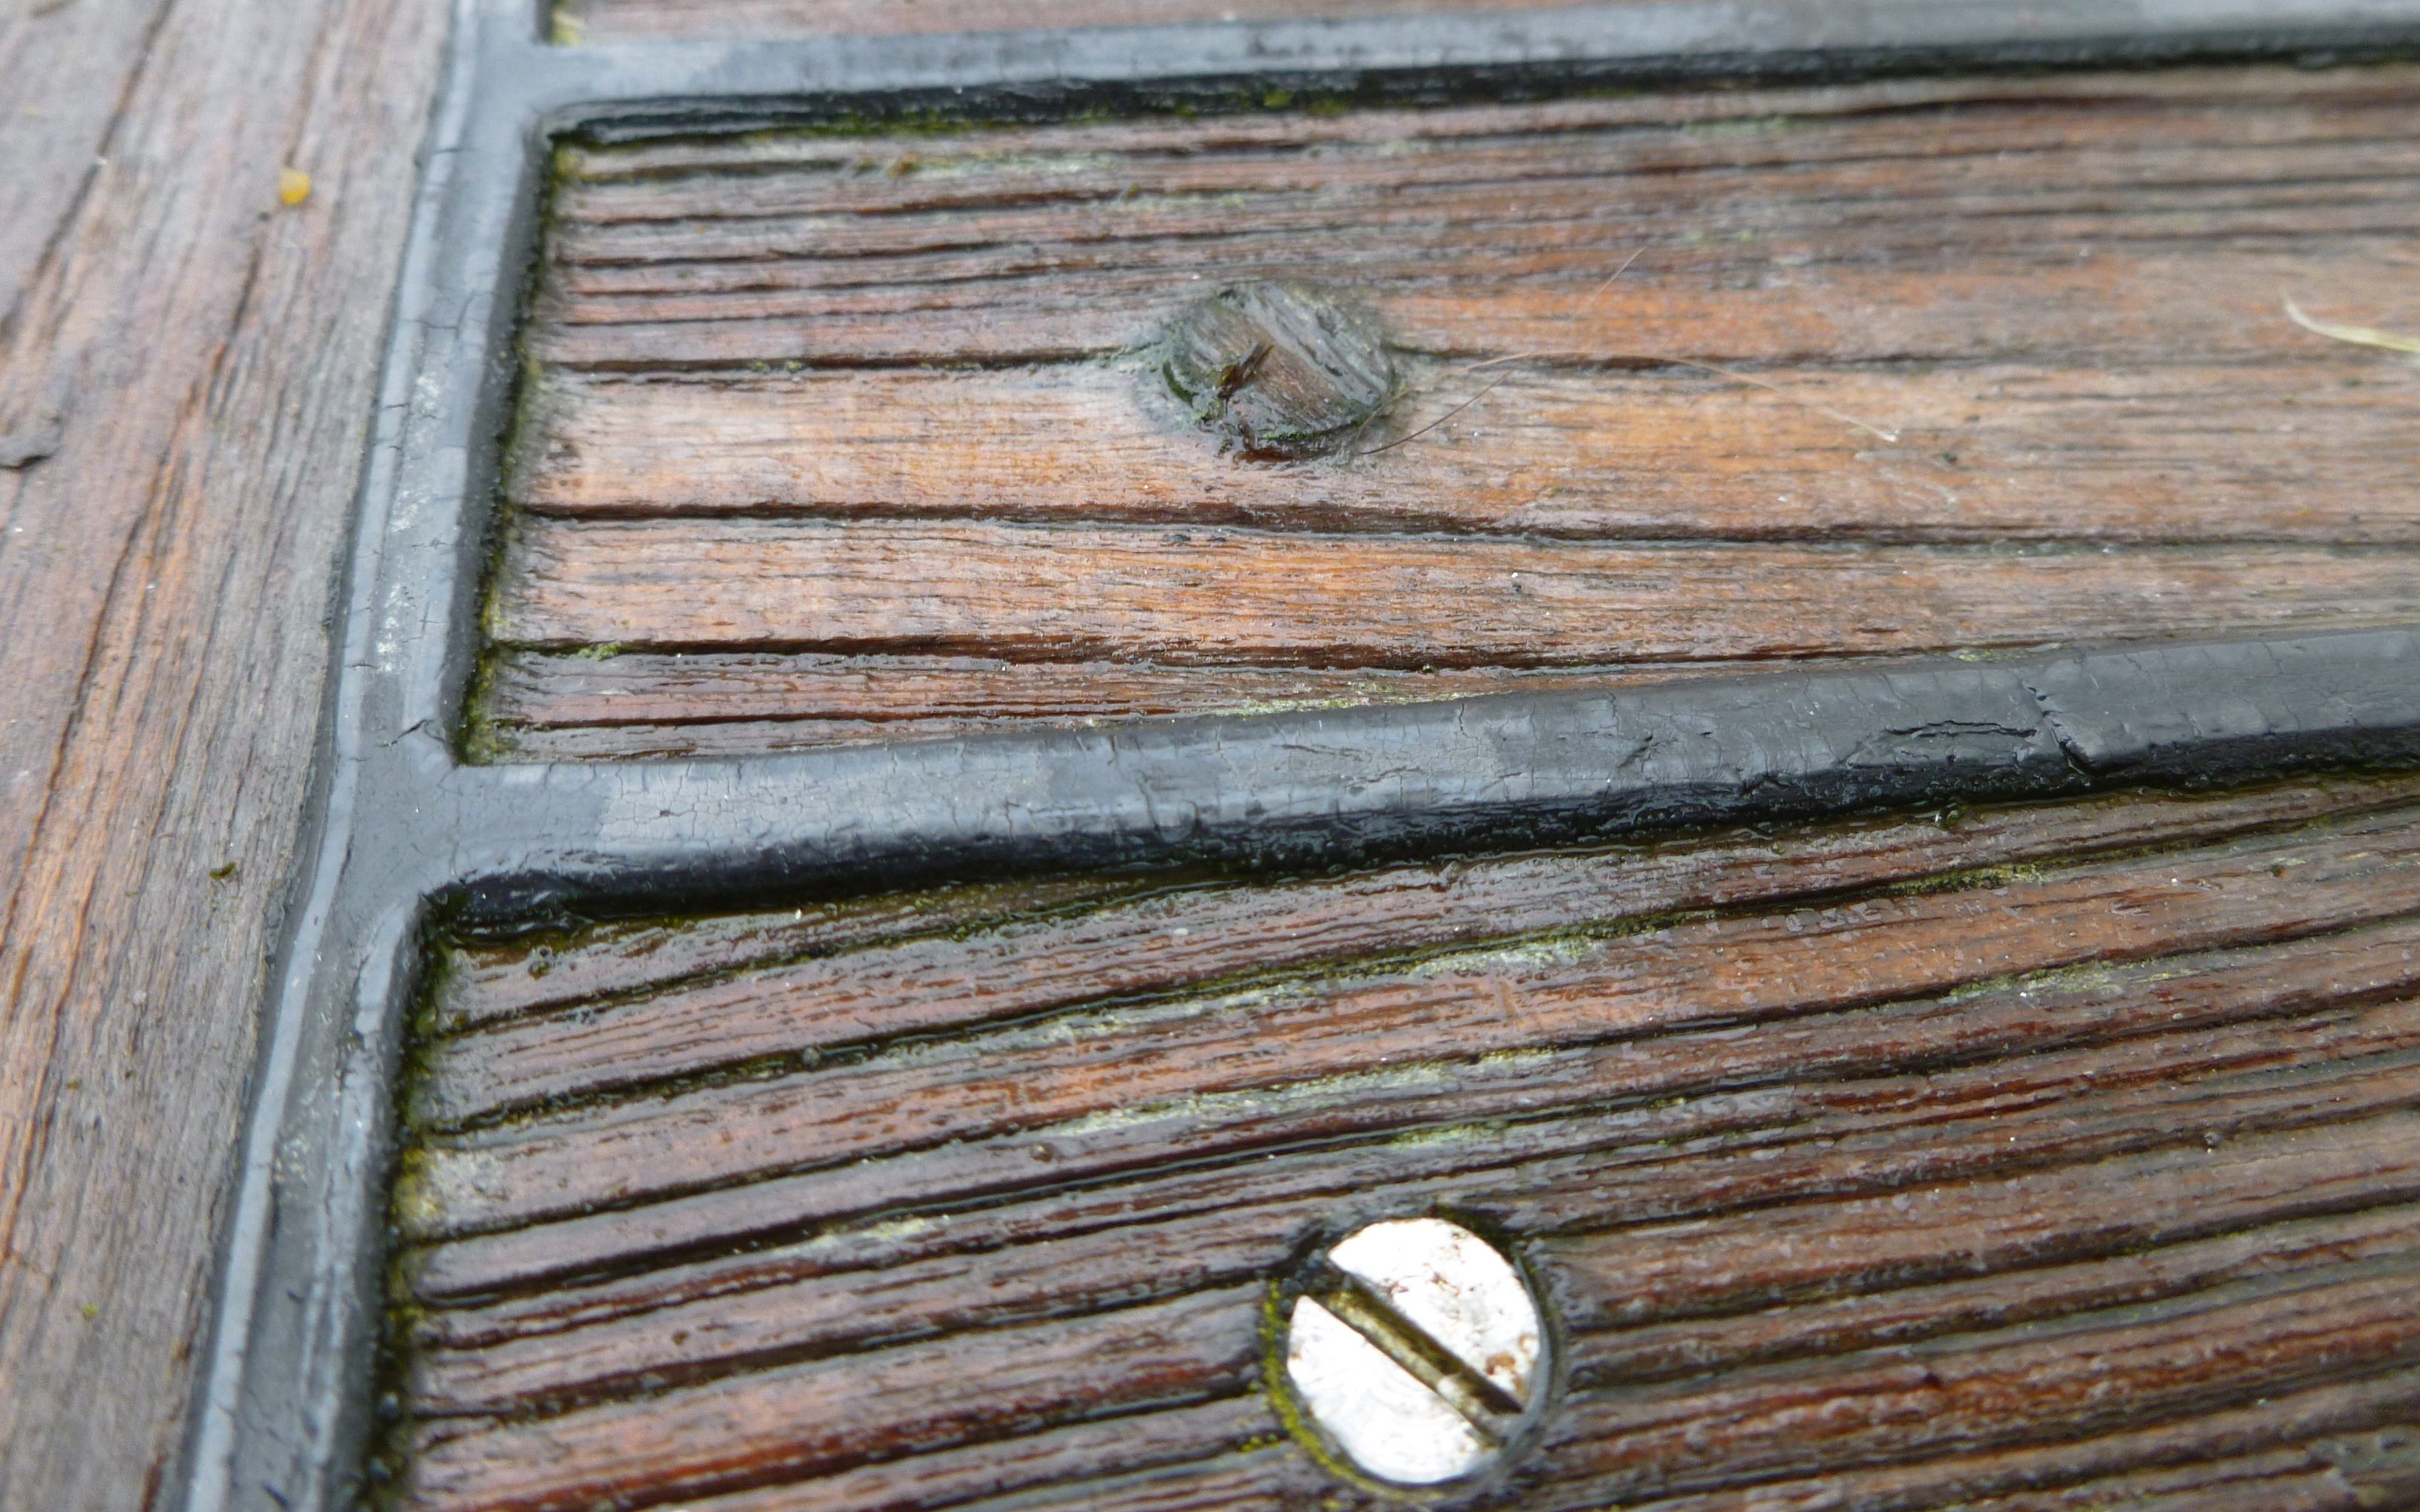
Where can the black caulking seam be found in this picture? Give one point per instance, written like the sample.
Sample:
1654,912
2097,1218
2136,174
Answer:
1316,788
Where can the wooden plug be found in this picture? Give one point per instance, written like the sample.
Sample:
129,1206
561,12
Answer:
1279,371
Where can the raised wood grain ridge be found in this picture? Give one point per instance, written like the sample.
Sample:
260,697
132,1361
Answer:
839,437
2038,1156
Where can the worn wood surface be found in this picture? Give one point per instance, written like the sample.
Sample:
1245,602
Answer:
619,21
2036,1156
640,703
833,438
186,380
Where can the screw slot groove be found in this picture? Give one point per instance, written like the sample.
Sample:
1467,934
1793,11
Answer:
1415,1351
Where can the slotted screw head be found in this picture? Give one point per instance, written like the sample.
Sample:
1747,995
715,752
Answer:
1416,1348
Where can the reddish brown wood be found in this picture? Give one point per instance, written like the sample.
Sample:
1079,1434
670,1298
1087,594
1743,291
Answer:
1885,1282
1280,599
2216,991
1714,1271
2064,1150
2128,454
489,983
2163,1361
2147,221
865,428
1086,1453
2329,1434
555,1163
832,1413
1990,1299
937,980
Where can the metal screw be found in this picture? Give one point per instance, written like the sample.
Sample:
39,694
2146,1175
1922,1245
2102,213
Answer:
1416,1348
1281,371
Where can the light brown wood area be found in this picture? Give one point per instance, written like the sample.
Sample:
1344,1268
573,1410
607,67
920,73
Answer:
2057,1155
828,438
188,371
618,20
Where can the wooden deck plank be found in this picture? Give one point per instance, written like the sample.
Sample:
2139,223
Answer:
938,981
575,706
205,361
863,427
843,1412
591,1155
67,69
2218,990
2134,456
1881,1188
1220,596
1709,1293
2245,1458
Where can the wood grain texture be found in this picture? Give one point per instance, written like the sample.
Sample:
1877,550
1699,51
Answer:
2039,1156
65,70
201,362
927,977
615,21
592,1156
862,428
1220,598
558,706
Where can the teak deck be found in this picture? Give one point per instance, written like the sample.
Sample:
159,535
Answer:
2063,1154
835,438
1991,1082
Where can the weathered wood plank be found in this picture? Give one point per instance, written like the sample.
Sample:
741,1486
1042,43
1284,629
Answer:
1715,1271
1704,1298
489,983
2130,224
583,1158
2187,995
839,1413
811,407
204,362
1731,1095
2028,452
551,706
2319,1430
1216,596
1990,1299
2100,1374
1879,1189
66,68
2111,94
940,979
1084,1453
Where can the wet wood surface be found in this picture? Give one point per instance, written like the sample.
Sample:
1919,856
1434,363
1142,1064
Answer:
2051,1155
830,438
187,372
